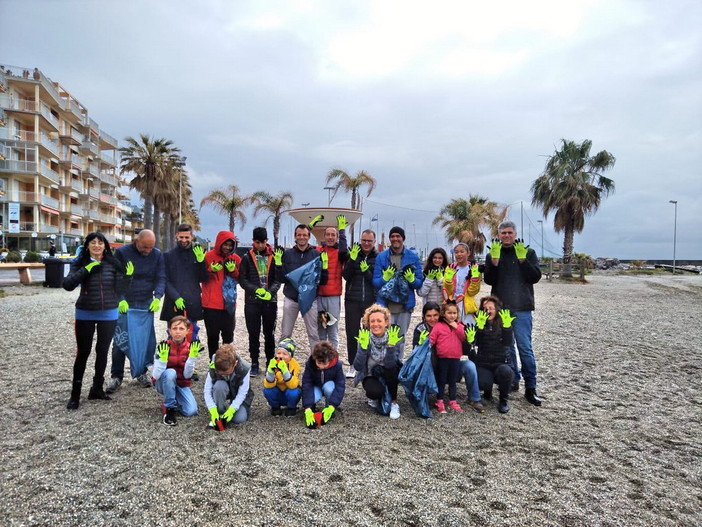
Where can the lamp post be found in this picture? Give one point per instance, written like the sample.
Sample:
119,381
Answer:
180,164
542,237
675,231
329,198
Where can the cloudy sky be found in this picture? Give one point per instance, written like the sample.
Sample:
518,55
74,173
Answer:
436,101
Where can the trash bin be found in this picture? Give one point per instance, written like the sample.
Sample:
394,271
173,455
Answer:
53,271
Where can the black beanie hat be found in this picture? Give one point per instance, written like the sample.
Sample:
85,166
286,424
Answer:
398,230
260,234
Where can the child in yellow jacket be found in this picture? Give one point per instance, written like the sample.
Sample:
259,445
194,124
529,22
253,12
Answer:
281,384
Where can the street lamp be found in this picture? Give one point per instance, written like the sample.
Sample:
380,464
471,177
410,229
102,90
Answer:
180,164
329,196
675,231
542,237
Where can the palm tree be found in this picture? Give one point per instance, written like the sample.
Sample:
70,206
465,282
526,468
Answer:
275,206
464,220
351,184
573,186
228,201
147,160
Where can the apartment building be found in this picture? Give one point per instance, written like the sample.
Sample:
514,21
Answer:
59,175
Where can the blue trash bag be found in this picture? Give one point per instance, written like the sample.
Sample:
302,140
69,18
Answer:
229,294
396,289
418,380
136,338
305,280
385,401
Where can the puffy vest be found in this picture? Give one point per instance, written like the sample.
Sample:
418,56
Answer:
333,286
177,358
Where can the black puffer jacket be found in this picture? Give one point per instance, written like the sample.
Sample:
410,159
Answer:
491,342
359,285
100,289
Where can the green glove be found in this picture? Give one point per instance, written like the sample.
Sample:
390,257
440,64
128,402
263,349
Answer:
129,270
325,260
409,275
474,271
520,250
341,222
230,265
449,273
179,303
423,336
216,266
278,256
283,367
470,333
389,272
262,294
316,220
327,413
195,349
309,418
90,266
155,305
199,254
394,335
354,250
495,249
123,307
431,275
506,317
481,318
229,414
272,365
439,275
214,414
364,266
163,351
363,338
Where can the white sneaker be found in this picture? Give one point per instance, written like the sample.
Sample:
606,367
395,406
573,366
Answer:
394,411
351,372
372,403
113,385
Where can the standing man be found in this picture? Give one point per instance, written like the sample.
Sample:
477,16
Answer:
146,290
360,293
329,294
297,256
512,270
398,259
257,278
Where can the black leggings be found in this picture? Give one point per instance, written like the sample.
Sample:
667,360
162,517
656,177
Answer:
448,372
375,389
500,374
257,314
218,321
85,329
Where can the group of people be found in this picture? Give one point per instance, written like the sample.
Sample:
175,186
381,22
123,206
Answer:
188,284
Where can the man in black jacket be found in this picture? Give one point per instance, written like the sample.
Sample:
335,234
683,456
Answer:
360,293
257,278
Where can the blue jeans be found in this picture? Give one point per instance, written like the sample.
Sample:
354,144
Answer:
175,396
470,374
327,389
222,396
277,397
521,328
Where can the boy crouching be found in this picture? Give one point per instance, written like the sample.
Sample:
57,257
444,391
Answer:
228,392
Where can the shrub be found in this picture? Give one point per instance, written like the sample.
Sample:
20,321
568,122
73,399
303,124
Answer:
638,263
13,257
31,257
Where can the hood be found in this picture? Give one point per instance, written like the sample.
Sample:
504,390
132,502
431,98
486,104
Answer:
223,236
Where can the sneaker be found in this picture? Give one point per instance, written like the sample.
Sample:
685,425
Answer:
169,418
275,410
455,406
440,406
291,412
394,411
72,404
196,376
254,370
351,372
144,380
478,406
113,385
372,403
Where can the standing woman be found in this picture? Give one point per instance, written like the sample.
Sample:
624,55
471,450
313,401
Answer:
431,289
102,284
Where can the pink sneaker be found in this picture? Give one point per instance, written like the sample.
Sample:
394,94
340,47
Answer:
455,406
440,406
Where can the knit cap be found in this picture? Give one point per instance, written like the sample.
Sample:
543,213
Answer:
288,345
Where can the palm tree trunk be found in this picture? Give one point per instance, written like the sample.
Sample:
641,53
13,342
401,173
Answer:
167,231
276,230
354,205
157,225
568,250
148,211
232,222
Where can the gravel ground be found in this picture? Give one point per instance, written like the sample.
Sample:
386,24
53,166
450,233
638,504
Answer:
616,442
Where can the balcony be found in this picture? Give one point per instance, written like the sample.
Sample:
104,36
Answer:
20,196
110,160
106,198
108,139
50,88
69,159
48,143
107,218
48,201
90,214
127,224
76,232
71,137
74,107
19,104
88,147
92,170
126,209
12,165
47,228
109,179
45,112
49,174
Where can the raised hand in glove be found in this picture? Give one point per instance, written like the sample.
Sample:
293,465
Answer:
195,349
309,418
179,303
163,350
389,272
341,222
363,338
92,265
214,414
364,266
394,335
409,275
272,365
423,336
449,273
199,253
325,260
520,249
155,305
506,317
481,318
327,413
278,256
230,265
474,271
431,275
216,266
470,333
123,306
129,269
354,250
262,294
229,414
283,367
495,249
316,220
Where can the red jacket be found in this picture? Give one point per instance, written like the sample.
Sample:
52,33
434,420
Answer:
212,289
446,341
